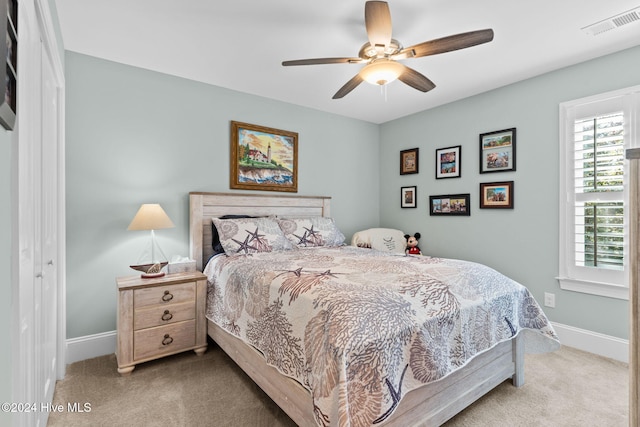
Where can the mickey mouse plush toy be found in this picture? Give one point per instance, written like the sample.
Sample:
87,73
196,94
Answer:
412,244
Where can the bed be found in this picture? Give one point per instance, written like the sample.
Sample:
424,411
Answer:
432,403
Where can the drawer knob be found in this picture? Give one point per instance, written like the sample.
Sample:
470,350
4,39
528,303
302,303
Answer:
167,340
166,316
168,296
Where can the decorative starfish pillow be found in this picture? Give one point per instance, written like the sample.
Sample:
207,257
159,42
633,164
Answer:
311,231
251,235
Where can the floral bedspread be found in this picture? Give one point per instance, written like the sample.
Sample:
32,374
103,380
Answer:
360,328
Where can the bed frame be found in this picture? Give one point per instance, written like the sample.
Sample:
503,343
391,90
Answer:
430,405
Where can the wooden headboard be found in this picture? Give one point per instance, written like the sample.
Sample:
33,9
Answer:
204,206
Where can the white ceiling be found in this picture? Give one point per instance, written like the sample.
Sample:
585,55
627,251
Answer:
240,44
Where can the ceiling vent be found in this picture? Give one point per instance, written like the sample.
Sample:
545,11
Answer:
613,22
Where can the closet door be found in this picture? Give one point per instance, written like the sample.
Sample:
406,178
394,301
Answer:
26,219
46,311
38,218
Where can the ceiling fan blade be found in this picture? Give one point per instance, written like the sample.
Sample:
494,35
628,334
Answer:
416,80
349,86
317,61
447,44
377,19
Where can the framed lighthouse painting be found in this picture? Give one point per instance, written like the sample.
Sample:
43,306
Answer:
263,158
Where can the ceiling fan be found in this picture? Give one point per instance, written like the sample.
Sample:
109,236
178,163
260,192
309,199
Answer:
381,53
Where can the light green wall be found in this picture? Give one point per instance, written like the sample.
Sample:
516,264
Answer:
523,242
136,136
5,268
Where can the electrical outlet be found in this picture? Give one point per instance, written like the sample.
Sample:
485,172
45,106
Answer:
549,300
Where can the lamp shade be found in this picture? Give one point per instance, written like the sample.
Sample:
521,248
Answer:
150,217
382,71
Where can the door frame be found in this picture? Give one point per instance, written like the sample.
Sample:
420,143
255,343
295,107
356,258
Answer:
52,49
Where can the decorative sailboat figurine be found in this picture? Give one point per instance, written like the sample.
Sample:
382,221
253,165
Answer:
150,270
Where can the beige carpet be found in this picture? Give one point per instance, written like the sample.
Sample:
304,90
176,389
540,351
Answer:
565,388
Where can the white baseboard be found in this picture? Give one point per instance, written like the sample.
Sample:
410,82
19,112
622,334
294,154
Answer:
91,346
593,342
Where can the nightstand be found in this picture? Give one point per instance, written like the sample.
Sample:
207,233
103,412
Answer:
160,316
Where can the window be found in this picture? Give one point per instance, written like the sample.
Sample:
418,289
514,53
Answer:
599,173
594,134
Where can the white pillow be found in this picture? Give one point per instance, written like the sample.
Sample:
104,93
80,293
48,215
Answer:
382,239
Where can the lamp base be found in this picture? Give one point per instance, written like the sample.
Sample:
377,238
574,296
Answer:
150,271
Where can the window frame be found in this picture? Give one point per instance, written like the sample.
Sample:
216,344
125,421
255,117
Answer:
592,280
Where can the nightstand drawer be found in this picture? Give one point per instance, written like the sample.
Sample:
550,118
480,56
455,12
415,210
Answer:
157,315
170,294
152,342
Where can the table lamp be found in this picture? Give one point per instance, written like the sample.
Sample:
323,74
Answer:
151,217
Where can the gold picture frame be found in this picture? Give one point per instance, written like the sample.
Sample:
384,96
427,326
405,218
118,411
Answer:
263,158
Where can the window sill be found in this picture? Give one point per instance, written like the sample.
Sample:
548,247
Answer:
594,288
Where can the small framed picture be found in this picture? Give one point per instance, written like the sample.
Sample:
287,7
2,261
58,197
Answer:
408,197
448,162
496,195
409,161
498,151
453,204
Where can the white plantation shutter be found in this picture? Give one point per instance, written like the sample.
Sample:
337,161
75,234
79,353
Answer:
599,191
594,134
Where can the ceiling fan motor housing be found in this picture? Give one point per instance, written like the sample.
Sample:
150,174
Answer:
368,51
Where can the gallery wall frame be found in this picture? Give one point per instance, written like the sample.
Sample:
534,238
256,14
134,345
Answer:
263,158
409,161
409,197
496,195
450,205
498,151
449,162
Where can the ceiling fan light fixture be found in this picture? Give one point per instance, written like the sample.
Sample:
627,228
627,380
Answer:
381,72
